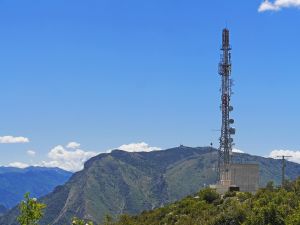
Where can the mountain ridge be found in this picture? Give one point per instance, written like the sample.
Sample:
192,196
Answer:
125,182
39,181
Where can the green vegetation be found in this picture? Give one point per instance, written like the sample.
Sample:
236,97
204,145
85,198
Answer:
31,211
130,183
76,221
269,206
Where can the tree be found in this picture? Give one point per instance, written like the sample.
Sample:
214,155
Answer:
270,186
31,211
76,221
108,220
209,195
293,219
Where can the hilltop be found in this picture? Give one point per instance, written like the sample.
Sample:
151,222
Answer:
270,205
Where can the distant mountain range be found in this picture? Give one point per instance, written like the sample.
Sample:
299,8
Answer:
3,210
39,181
122,182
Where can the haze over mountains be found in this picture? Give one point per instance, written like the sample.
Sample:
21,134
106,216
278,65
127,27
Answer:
125,182
39,181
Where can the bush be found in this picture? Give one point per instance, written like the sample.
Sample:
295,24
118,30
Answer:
76,221
31,211
209,195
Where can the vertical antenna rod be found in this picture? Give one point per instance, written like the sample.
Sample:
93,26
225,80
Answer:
283,157
226,142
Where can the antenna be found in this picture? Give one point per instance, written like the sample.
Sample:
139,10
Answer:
283,157
231,176
226,142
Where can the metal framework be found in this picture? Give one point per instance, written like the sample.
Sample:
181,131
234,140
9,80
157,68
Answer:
283,157
226,142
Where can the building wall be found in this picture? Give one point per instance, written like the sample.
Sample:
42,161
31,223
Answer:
245,176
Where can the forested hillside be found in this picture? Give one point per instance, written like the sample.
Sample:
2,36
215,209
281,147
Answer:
269,206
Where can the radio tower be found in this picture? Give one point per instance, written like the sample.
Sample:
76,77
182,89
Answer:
226,142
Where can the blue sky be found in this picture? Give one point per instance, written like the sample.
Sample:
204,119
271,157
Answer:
105,73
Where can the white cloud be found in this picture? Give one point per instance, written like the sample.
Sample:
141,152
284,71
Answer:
295,155
71,160
278,4
74,159
237,150
31,153
138,147
13,140
73,145
18,165
267,6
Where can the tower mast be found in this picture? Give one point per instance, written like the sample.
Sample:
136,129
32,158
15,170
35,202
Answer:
226,142
283,168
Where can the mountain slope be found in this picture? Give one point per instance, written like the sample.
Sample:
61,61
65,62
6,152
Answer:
122,182
269,205
3,210
38,181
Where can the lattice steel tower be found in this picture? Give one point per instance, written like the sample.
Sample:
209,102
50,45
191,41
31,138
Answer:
226,142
